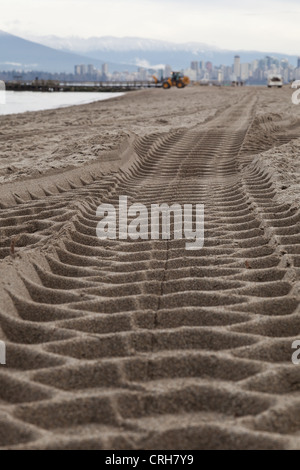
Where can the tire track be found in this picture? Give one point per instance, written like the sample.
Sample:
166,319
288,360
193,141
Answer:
144,345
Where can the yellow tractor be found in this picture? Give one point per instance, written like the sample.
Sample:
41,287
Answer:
177,79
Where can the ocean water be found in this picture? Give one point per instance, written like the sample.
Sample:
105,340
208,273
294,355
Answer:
23,101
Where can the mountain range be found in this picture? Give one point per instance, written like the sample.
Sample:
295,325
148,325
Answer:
21,54
56,54
150,52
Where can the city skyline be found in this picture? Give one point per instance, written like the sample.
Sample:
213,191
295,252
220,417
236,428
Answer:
267,25
200,70
252,73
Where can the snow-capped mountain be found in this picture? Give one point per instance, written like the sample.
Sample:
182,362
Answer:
149,52
110,43
55,54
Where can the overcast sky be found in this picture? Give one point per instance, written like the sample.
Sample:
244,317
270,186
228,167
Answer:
265,25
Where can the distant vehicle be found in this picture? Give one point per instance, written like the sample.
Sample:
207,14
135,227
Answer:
177,79
296,84
275,81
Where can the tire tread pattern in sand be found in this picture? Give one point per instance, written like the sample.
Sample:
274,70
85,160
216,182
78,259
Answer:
144,345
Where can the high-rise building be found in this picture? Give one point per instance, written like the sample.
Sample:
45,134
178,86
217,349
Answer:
284,63
298,65
104,69
209,66
202,65
244,71
195,65
91,69
254,65
285,75
227,73
81,69
269,61
237,66
84,69
77,69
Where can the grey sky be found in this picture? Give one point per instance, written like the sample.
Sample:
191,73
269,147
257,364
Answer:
266,25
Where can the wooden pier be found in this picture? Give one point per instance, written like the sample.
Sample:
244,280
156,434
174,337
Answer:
51,85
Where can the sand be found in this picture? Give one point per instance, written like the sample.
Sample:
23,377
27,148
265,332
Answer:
141,344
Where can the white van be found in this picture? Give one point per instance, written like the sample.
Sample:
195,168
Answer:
275,80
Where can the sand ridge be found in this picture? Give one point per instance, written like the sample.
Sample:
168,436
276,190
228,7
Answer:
143,345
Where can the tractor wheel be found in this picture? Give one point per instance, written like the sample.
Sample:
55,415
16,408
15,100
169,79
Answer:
180,85
166,85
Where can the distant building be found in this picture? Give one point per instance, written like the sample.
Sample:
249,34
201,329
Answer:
209,66
237,66
77,69
254,65
195,65
202,64
142,74
284,63
91,69
84,69
298,65
269,61
81,69
168,71
159,74
220,75
244,71
228,73
104,69
192,74
285,75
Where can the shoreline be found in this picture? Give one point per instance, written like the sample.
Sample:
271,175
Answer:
82,96
102,125
105,124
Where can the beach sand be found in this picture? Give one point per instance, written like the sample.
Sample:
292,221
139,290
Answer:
122,344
